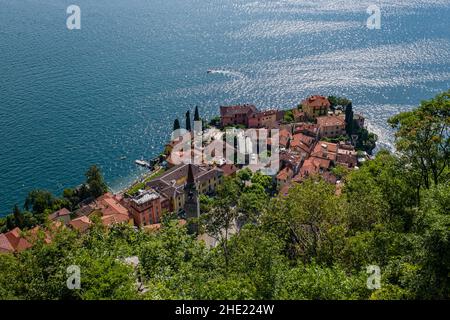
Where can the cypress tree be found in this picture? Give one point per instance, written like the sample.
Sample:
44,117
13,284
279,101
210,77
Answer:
18,217
188,120
196,114
349,118
176,124
95,181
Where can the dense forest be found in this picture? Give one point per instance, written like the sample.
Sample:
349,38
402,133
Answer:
314,243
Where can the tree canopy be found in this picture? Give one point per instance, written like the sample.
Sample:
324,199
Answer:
313,243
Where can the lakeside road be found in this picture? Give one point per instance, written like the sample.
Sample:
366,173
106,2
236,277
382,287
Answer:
140,182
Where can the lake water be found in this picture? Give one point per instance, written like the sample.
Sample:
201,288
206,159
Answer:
72,98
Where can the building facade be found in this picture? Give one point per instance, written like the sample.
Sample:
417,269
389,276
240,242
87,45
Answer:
147,207
315,106
171,184
331,126
236,115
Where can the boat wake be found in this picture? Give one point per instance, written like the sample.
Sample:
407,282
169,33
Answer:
225,72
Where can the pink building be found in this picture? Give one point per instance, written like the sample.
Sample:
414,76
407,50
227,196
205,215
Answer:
331,126
236,115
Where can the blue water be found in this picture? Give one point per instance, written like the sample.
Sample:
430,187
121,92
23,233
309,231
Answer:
69,99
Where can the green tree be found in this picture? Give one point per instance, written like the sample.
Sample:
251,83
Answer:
196,114
174,264
72,197
252,201
433,280
215,121
176,124
288,116
315,282
310,225
19,219
340,171
221,219
366,140
105,277
423,138
9,277
349,127
188,120
95,182
244,175
265,181
257,256
40,200
362,192
338,101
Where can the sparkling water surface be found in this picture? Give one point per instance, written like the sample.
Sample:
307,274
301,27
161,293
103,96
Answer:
69,99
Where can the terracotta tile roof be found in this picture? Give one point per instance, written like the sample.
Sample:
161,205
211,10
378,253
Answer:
5,245
266,113
226,111
284,137
330,121
13,236
316,102
309,168
284,133
22,245
85,210
16,240
284,174
307,128
81,224
300,137
60,213
111,206
321,162
173,181
325,150
228,169
347,159
291,160
115,219
110,210
108,204
302,142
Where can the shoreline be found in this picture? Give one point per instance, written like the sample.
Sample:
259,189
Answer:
141,178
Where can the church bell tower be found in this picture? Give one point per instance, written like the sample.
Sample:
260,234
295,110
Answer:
191,204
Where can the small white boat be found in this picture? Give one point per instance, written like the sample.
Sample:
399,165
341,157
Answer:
142,163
